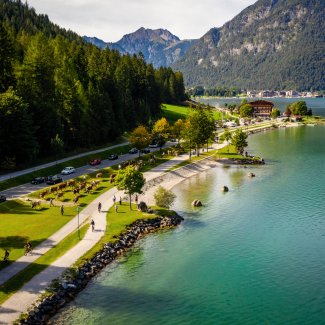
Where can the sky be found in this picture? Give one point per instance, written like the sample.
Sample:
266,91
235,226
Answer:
109,20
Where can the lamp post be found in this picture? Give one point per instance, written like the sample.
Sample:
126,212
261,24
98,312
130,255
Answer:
78,209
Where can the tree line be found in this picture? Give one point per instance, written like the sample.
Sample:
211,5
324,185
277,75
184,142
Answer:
59,93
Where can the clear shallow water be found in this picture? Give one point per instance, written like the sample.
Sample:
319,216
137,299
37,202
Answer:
255,255
317,105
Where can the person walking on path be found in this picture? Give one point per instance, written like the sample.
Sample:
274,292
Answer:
51,202
136,199
99,207
6,257
114,199
28,248
120,201
92,225
62,210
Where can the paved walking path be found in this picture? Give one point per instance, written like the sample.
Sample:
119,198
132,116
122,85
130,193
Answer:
28,294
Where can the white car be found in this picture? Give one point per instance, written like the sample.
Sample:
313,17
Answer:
68,170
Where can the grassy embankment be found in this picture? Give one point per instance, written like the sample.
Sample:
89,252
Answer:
17,281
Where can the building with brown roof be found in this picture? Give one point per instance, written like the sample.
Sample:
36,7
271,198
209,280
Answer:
262,108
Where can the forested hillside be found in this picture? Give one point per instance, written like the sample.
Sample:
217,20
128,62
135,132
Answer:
57,89
273,44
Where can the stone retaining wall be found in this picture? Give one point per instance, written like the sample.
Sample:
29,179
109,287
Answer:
71,285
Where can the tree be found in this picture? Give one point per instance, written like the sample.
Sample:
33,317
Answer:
199,128
140,138
246,110
177,129
239,140
161,130
275,112
227,136
130,180
17,139
57,145
164,198
6,60
299,108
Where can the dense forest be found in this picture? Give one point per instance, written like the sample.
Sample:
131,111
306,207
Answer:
57,91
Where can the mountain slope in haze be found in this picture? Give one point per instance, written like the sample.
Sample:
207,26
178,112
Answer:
158,46
273,44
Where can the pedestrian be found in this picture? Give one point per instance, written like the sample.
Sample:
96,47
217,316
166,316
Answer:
114,199
92,225
62,210
28,248
51,202
116,208
120,201
5,258
136,198
99,207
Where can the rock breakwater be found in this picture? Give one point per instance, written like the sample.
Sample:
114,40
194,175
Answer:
66,289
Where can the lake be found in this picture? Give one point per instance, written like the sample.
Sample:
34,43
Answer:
254,255
317,105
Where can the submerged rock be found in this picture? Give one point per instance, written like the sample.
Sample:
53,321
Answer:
197,203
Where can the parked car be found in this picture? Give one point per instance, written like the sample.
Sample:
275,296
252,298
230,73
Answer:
153,145
2,198
133,150
145,150
95,162
113,156
38,180
68,170
51,180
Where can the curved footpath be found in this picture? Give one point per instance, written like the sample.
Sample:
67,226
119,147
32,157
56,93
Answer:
19,302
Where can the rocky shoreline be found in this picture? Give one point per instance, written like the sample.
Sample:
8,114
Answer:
70,285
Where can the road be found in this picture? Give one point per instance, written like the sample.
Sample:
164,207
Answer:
25,189
32,169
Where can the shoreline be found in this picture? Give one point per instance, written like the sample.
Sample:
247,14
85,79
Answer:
168,179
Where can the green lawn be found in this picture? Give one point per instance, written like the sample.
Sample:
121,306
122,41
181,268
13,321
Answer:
19,223
16,282
175,112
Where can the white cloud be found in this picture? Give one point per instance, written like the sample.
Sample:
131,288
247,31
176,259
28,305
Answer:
111,19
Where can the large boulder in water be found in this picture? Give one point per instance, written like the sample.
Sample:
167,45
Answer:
142,206
224,189
196,203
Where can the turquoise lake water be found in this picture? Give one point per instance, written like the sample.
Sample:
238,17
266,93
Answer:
254,255
317,105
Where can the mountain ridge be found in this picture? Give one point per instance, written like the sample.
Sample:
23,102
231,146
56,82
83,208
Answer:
158,46
271,44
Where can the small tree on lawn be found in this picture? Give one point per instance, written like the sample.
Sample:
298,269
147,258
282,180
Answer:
239,140
227,136
129,180
164,198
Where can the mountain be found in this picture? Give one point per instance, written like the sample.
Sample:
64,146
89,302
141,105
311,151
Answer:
158,46
273,44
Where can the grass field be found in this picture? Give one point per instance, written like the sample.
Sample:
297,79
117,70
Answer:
175,112
16,282
19,223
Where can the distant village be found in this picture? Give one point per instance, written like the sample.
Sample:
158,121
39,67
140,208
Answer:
283,93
